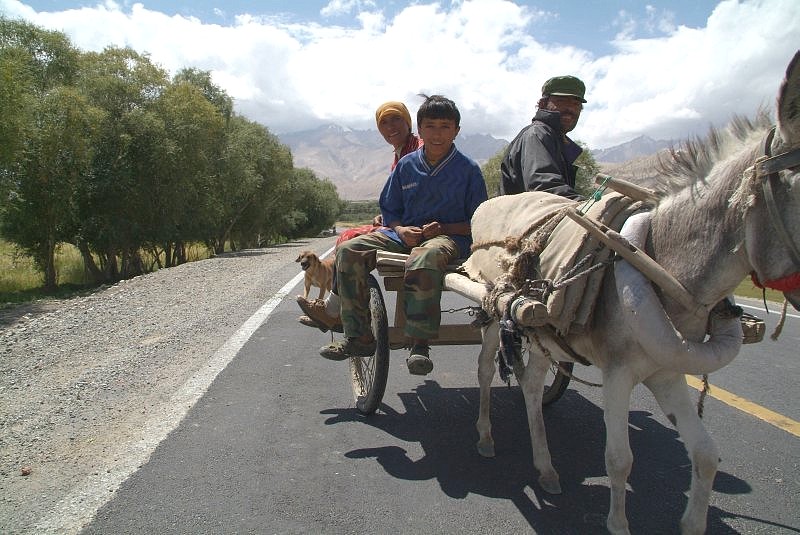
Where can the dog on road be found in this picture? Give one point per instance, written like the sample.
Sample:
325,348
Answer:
318,272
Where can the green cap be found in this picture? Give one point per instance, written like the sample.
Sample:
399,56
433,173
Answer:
568,86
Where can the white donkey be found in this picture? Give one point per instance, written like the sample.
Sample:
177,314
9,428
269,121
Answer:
729,207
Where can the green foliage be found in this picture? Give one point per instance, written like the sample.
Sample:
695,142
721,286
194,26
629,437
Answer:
358,211
587,169
32,62
40,212
48,57
116,201
217,96
103,151
317,199
491,173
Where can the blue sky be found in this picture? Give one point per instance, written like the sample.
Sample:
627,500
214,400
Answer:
666,69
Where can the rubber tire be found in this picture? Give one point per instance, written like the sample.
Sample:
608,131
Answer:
369,374
556,388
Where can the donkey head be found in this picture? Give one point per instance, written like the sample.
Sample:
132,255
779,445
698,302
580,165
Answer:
773,224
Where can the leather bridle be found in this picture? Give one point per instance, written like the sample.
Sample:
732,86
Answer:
766,170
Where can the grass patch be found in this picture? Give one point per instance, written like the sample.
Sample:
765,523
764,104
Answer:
747,289
21,282
352,224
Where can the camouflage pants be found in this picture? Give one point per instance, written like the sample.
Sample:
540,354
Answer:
423,281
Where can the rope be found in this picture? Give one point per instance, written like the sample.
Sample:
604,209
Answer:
571,276
545,225
595,196
781,321
582,274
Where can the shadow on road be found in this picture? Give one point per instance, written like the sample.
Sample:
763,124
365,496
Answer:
442,421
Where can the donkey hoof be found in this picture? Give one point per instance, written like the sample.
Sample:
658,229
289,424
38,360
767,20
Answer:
486,449
550,484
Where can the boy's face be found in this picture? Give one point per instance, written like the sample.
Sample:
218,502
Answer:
438,135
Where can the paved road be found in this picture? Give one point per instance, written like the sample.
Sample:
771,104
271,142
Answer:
276,446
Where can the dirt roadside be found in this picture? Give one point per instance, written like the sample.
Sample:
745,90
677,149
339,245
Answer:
81,380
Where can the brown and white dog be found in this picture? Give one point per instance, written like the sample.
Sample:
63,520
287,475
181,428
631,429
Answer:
318,272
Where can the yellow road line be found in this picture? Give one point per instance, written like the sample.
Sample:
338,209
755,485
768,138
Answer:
778,420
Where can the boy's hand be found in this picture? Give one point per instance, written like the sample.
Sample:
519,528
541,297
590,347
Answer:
411,236
431,230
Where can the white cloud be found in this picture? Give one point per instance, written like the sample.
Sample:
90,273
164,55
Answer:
484,54
345,7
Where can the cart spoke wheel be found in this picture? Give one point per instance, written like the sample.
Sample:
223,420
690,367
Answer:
556,382
369,374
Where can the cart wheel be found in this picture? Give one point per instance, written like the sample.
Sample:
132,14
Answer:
369,374
558,384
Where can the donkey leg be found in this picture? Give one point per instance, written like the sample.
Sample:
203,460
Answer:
532,384
672,394
617,388
491,341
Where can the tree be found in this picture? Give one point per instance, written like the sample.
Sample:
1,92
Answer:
46,138
49,57
183,205
318,202
245,178
217,96
32,61
115,202
491,172
260,221
587,169
57,157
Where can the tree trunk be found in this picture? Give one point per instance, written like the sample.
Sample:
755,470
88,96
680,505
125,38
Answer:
50,265
89,264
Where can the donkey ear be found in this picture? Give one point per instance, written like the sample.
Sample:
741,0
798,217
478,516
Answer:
789,104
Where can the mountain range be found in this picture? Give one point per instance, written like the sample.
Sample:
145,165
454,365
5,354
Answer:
358,161
635,148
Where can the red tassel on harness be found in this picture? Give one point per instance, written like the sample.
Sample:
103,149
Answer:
784,284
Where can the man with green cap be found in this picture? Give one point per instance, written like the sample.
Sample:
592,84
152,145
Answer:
542,157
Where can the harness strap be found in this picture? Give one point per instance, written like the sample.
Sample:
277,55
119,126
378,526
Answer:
773,164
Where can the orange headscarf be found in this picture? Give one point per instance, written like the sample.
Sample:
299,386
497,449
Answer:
393,107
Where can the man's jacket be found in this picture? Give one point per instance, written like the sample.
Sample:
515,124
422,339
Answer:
538,159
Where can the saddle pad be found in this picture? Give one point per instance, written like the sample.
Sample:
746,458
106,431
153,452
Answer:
570,307
514,218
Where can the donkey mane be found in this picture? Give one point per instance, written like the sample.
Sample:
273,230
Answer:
692,161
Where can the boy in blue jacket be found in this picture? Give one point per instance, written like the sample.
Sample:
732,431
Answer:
427,204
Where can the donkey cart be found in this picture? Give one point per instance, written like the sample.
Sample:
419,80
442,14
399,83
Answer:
369,374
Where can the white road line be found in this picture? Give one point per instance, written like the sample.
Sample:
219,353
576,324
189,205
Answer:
79,507
777,306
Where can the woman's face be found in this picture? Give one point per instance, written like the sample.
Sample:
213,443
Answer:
394,130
